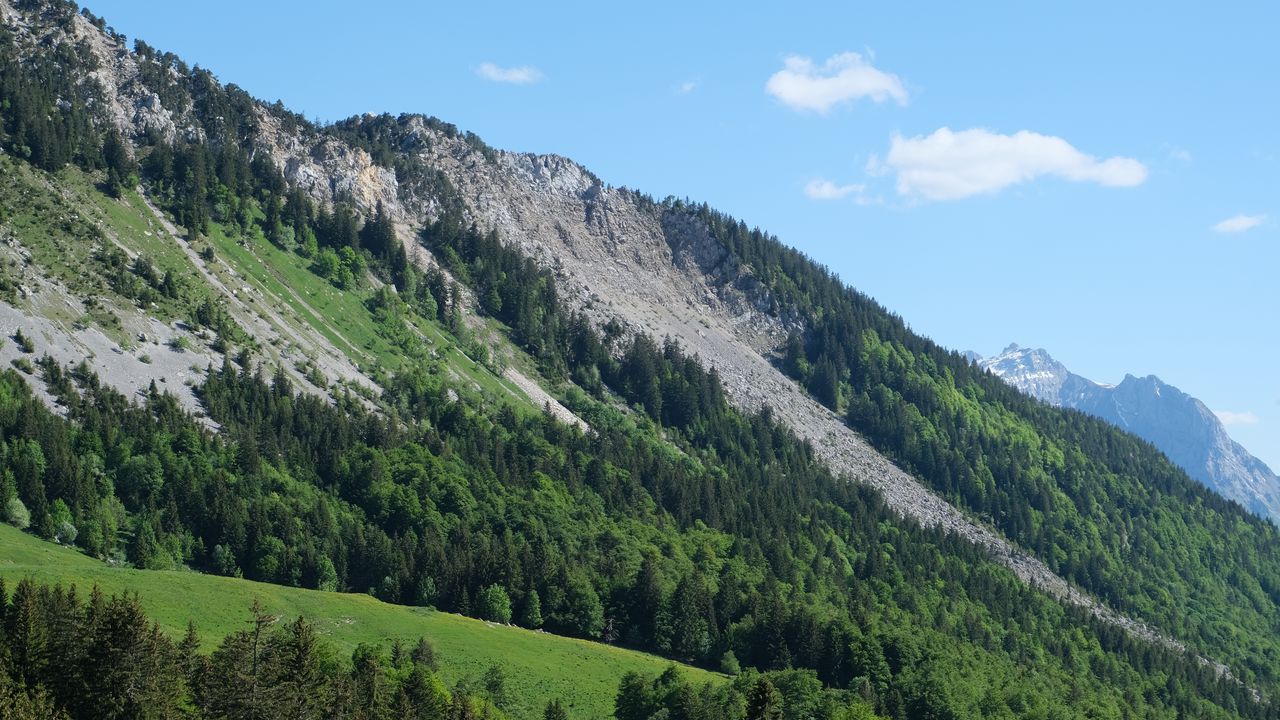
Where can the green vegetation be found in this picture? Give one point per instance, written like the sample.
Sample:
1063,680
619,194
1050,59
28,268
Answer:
619,535
676,525
100,657
68,655
776,695
539,666
1100,507
78,235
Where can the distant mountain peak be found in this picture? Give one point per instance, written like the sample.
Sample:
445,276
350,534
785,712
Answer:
1178,424
1035,372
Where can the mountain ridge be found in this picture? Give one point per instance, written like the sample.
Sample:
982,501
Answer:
620,243
656,268
1181,426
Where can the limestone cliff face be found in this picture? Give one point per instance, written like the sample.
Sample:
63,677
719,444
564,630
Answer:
616,255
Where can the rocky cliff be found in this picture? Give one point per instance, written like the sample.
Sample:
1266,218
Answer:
1179,425
617,255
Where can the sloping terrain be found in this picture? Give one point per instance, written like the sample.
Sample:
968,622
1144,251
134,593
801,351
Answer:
635,268
617,258
1180,425
541,666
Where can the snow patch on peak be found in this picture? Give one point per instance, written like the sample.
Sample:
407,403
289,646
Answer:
1177,423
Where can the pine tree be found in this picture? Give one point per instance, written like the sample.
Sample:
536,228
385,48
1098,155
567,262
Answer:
531,617
763,701
26,633
635,699
293,670
121,170
233,685
555,711
424,654
131,666
19,704
369,681
426,693
194,665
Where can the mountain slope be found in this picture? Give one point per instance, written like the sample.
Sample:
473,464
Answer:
1179,425
550,667
620,257
662,268
690,489
612,244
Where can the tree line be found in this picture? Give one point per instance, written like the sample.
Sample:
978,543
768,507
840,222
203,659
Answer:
680,526
64,655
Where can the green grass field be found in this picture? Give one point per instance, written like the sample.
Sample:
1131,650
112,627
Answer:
540,666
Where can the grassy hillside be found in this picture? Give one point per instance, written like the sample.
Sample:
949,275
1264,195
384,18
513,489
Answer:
683,524
68,229
540,666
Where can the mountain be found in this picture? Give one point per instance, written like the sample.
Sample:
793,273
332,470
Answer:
1179,425
381,356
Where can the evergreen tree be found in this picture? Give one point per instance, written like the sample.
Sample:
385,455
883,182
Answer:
763,701
424,654
233,687
634,700
294,672
531,616
555,711
26,633
369,681
121,170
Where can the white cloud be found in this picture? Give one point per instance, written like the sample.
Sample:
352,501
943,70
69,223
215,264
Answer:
1180,154
951,165
820,189
1236,418
1239,223
846,77
523,75
687,87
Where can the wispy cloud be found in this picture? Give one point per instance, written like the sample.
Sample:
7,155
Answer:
523,75
821,189
686,87
951,165
843,78
1236,418
1239,223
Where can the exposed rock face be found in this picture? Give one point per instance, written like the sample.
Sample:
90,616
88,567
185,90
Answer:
1176,423
616,256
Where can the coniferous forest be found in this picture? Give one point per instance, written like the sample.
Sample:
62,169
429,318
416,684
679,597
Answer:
677,524
70,656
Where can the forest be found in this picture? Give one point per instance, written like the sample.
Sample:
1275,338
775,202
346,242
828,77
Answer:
676,524
65,656
1101,507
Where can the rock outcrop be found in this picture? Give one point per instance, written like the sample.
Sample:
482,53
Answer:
616,254
1179,425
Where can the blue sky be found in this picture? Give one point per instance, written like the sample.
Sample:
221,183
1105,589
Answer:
994,174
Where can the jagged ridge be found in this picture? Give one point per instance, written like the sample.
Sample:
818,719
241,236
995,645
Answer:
1181,426
618,255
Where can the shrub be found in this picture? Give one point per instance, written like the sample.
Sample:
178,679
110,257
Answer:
24,343
65,533
17,515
